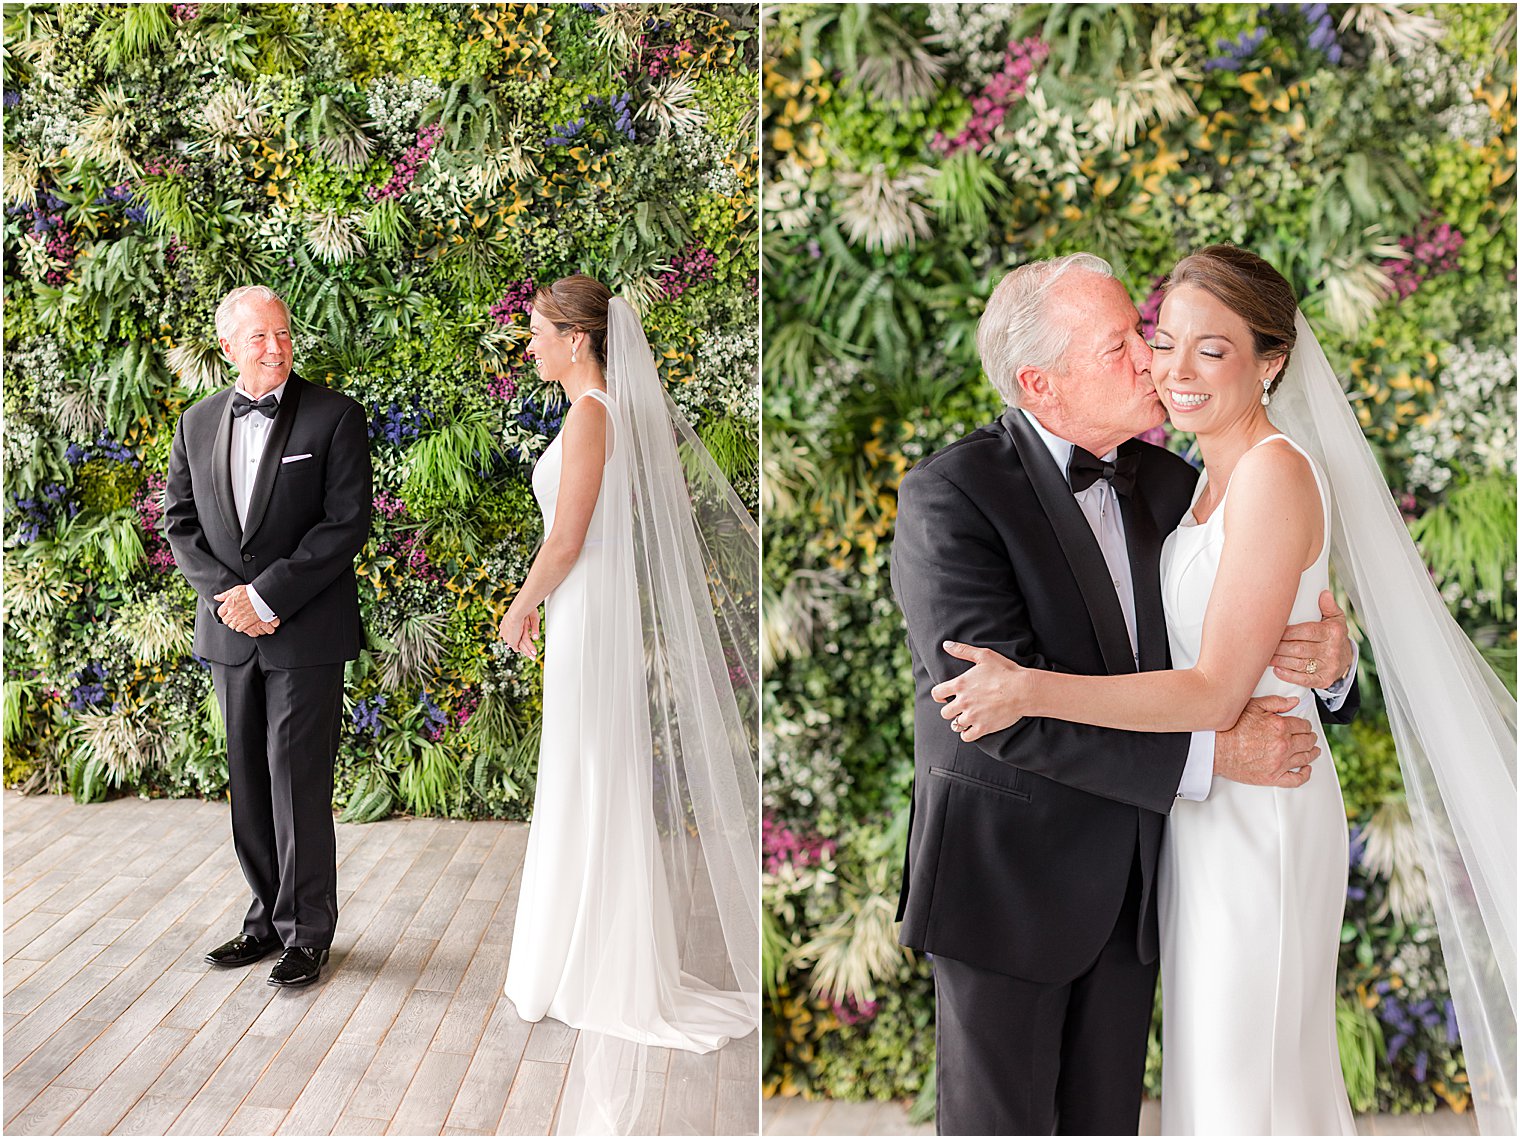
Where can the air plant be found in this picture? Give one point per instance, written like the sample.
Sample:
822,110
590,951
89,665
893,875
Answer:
793,614
106,132
1152,96
858,946
22,172
334,236
414,648
671,105
1355,284
232,116
154,629
197,365
899,69
1393,851
884,212
119,743
1392,29
336,136
78,414
618,31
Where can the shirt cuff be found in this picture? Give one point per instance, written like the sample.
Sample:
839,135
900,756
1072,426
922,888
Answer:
1334,696
265,613
1198,772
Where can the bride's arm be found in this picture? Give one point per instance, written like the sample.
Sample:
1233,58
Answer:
1272,532
580,483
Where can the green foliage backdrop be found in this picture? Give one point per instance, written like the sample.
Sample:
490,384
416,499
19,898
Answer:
401,174
913,155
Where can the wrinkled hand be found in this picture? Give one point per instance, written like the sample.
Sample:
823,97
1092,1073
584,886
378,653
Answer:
987,697
519,628
1265,748
1325,641
238,614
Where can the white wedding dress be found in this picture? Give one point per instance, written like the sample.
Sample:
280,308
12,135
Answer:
595,942
1252,888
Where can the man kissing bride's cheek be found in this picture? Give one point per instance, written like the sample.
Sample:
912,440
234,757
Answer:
1122,666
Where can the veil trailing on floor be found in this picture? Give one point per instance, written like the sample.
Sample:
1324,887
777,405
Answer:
679,670
1453,725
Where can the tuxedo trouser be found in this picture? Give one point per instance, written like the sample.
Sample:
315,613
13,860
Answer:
1017,1057
282,740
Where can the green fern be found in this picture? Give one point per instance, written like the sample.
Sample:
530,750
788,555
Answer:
430,781
86,776
371,799
732,447
966,190
1469,540
1359,1039
444,465
20,699
133,32
387,226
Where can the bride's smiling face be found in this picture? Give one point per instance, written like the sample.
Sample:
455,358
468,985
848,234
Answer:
1204,362
550,349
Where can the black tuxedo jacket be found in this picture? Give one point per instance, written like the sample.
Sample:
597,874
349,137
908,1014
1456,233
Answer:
1020,844
307,520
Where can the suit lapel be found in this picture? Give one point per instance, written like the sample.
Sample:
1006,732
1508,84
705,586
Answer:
1144,542
221,468
1075,536
269,464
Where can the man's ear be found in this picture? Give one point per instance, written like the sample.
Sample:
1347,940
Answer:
1033,384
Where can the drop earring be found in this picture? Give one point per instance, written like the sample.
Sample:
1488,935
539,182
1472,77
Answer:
1266,392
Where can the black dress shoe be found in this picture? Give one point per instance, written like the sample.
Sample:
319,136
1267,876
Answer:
242,950
298,965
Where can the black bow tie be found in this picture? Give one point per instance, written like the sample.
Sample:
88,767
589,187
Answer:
1084,468
242,405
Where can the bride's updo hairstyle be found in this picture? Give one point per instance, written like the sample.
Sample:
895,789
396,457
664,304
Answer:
578,303
1250,288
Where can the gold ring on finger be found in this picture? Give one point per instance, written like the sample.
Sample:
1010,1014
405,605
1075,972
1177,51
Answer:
1312,667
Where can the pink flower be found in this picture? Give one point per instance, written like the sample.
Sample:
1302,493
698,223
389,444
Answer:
990,107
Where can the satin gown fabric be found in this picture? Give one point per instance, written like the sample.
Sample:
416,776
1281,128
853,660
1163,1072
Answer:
596,942
1252,888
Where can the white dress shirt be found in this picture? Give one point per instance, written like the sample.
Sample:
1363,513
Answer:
1100,506
250,433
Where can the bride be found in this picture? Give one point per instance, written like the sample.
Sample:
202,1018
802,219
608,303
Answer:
1253,880
638,917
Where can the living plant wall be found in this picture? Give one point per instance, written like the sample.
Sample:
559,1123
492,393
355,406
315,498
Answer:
402,174
916,153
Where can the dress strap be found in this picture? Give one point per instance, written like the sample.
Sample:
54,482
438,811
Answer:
1319,482
601,397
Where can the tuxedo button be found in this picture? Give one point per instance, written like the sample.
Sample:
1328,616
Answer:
248,557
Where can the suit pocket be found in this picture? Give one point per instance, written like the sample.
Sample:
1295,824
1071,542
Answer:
980,784
284,459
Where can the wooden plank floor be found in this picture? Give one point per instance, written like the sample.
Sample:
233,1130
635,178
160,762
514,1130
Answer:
114,1025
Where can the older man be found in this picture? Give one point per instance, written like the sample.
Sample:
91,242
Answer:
1030,871
267,505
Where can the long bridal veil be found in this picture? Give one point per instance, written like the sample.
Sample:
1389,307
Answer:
676,965
1453,725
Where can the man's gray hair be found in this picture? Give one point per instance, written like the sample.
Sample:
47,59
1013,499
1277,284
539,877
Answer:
1013,332
238,296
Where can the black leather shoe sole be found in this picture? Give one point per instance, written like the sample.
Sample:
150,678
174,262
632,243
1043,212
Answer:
306,976
252,951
